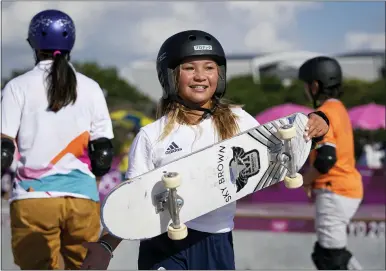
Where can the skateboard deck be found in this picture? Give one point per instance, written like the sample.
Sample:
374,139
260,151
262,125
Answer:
196,184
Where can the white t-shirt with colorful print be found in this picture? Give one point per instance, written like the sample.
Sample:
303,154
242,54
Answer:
52,145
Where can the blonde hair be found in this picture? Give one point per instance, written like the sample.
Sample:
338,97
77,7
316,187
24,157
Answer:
225,121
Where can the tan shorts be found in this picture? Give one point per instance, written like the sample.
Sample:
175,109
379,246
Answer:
42,229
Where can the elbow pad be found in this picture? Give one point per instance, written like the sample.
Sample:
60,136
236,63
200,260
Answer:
325,158
325,118
7,153
101,156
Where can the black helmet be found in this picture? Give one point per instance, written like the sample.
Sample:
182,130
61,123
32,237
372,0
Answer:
187,44
327,72
323,69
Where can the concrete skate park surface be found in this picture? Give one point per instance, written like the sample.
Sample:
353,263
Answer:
254,249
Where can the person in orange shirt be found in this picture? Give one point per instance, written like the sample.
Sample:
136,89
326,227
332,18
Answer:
332,177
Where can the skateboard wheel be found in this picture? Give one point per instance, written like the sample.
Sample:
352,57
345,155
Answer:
177,234
287,133
293,183
171,180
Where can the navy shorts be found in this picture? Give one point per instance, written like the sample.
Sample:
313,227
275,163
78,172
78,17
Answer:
198,251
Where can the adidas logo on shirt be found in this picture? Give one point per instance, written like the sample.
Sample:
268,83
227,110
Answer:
173,148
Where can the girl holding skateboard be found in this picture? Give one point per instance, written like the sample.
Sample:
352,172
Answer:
191,67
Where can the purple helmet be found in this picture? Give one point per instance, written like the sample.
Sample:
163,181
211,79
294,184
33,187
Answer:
51,30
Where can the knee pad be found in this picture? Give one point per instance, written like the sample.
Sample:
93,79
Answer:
101,156
330,259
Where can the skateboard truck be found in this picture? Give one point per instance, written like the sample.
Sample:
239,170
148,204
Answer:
174,203
294,180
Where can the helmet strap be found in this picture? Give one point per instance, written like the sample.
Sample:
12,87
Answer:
315,100
207,112
315,97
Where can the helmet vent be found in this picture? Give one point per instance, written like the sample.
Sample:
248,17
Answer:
65,34
207,37
192,37
44,33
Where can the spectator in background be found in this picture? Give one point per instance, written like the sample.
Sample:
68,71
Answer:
56,114
373,154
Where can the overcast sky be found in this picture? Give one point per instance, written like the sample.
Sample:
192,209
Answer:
118,33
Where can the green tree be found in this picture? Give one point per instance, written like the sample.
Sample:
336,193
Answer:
255,97
269,92
120,92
